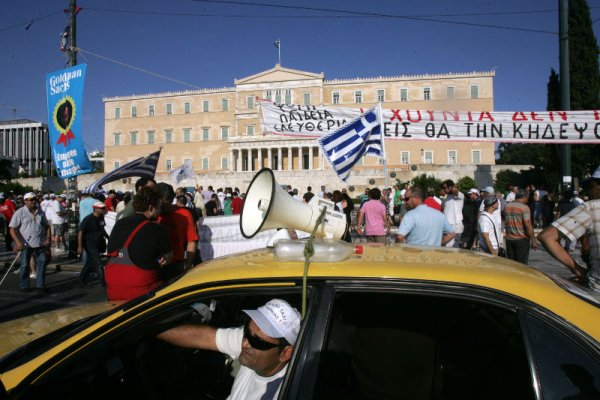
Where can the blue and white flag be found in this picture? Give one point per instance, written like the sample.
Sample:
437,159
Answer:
186,171
344,147
144,167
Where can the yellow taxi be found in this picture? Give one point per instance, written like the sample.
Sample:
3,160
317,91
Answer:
396,321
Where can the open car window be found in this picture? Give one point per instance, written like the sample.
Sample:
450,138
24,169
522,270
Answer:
131,363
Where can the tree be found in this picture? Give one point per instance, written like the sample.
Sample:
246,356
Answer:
465,183
426,183
584,90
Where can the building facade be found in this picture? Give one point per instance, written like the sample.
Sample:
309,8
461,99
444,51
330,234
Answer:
28,142
219,131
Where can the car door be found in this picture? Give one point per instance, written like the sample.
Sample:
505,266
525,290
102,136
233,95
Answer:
394,340
125,359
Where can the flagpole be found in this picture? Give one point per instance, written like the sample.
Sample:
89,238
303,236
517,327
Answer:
385,170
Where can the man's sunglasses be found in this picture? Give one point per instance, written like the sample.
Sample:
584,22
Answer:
256,342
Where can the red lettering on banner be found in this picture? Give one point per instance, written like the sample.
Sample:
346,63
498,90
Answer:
519,116
454,115
469,116
486,114
412,120
396,115
431,118
534,115
596,115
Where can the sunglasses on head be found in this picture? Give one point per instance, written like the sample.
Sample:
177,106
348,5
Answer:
256,342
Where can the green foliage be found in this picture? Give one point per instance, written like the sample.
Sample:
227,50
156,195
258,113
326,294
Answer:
22,175
15,187
426,183
465,183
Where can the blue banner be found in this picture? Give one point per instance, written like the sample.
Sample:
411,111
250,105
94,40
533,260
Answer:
64,91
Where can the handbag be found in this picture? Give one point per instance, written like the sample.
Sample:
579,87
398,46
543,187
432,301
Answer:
501,250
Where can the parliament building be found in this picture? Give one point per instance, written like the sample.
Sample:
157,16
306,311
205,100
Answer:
219,132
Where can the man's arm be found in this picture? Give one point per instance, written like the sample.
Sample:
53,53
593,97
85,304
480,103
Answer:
550,238
446,237
359,222
530,234
488,243
80,242
192,336
19,242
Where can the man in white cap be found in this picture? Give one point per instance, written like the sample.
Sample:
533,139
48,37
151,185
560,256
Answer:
264,347
30,231
585,218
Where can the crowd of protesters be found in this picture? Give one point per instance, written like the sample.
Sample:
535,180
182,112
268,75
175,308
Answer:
156,233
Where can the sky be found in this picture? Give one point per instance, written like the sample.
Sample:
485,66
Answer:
208,44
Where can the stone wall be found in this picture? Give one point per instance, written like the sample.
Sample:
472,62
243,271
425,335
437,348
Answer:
484,175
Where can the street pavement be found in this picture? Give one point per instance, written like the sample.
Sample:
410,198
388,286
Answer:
63,284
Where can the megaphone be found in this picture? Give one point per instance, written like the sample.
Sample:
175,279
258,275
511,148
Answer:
268,206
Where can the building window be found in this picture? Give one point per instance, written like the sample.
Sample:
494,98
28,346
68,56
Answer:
187,108
335,97
224,163
474,91
288,97
403,94
452,156
224,132
427,93
249,130
117,112
205,105
224,105
169,136
205,163
117,139
151,111
358,96
405,157
476,157
168,165
278,96
134,138
169,109
428,157
269,95
205,134
133,112
380,95
307,99
450,92
116,165
150,137
250,101
187,134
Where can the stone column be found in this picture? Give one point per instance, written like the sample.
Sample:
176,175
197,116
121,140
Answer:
279,158
238,161
290,158
310,157
260,157
270,157
250,163
230,162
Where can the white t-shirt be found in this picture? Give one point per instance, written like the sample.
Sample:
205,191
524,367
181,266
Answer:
248,385
57,208
485,225
452,208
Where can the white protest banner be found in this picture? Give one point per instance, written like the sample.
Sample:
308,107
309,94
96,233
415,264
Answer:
576,127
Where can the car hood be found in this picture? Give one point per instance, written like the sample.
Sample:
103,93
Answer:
18,332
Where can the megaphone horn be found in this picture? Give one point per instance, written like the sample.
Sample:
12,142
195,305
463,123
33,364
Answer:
268,206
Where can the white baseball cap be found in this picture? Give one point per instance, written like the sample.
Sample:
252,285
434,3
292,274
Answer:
29,195
473,190
277,319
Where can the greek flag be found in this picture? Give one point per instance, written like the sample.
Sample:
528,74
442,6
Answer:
344,147
144,167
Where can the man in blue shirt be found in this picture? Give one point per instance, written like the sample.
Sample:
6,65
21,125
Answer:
423,225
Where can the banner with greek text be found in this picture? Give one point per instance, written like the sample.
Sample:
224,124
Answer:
64,90
576,127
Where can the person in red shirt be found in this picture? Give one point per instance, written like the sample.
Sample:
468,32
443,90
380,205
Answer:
111,201
236,204
182,232
7,209
432,202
